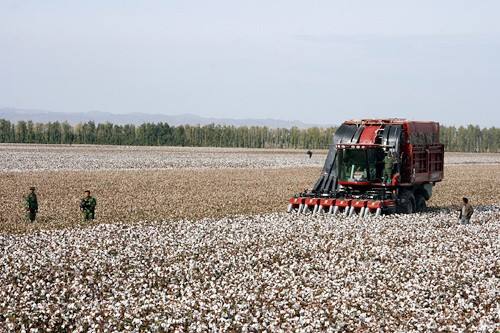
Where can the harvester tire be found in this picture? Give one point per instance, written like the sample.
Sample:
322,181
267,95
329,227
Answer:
406,202
420,203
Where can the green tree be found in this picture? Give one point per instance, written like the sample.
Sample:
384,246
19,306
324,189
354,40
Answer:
21,132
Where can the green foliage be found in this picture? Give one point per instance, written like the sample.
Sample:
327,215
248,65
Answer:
470,139
465,139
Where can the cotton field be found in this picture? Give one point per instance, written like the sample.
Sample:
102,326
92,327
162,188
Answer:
81,157
195,240
19,157
273,272
471,158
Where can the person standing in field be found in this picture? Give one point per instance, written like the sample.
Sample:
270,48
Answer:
87,206
31,205
389,161
466,211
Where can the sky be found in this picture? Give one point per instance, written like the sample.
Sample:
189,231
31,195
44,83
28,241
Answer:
319,62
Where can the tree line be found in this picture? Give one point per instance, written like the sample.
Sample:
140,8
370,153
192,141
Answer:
162,134
465,139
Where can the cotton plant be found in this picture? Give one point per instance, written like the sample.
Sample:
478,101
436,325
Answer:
275,272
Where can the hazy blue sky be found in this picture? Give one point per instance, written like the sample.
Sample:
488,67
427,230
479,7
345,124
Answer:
315,61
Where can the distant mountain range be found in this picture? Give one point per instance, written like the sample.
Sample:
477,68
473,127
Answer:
40,116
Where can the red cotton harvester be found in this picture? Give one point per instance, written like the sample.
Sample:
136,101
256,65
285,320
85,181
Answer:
374,167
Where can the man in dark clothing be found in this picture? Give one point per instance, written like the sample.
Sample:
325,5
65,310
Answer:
87,206
310,153
31,205
466,211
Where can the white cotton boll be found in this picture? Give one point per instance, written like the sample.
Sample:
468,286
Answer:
249,273
133,158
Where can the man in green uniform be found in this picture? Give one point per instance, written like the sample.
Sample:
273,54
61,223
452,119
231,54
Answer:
388,166
466,211
87,206
31,205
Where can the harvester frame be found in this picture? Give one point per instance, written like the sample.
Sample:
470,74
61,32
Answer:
354,182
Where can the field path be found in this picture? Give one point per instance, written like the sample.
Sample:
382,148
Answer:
130,196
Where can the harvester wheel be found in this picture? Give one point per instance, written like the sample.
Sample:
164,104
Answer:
406,202
420,203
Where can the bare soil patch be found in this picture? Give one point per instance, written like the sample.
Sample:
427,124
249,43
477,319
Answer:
131,196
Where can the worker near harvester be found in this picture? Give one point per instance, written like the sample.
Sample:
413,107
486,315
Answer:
87,206
31,205
389,162
466,211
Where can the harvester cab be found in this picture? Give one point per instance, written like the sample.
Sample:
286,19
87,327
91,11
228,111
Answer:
365,165
376,167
